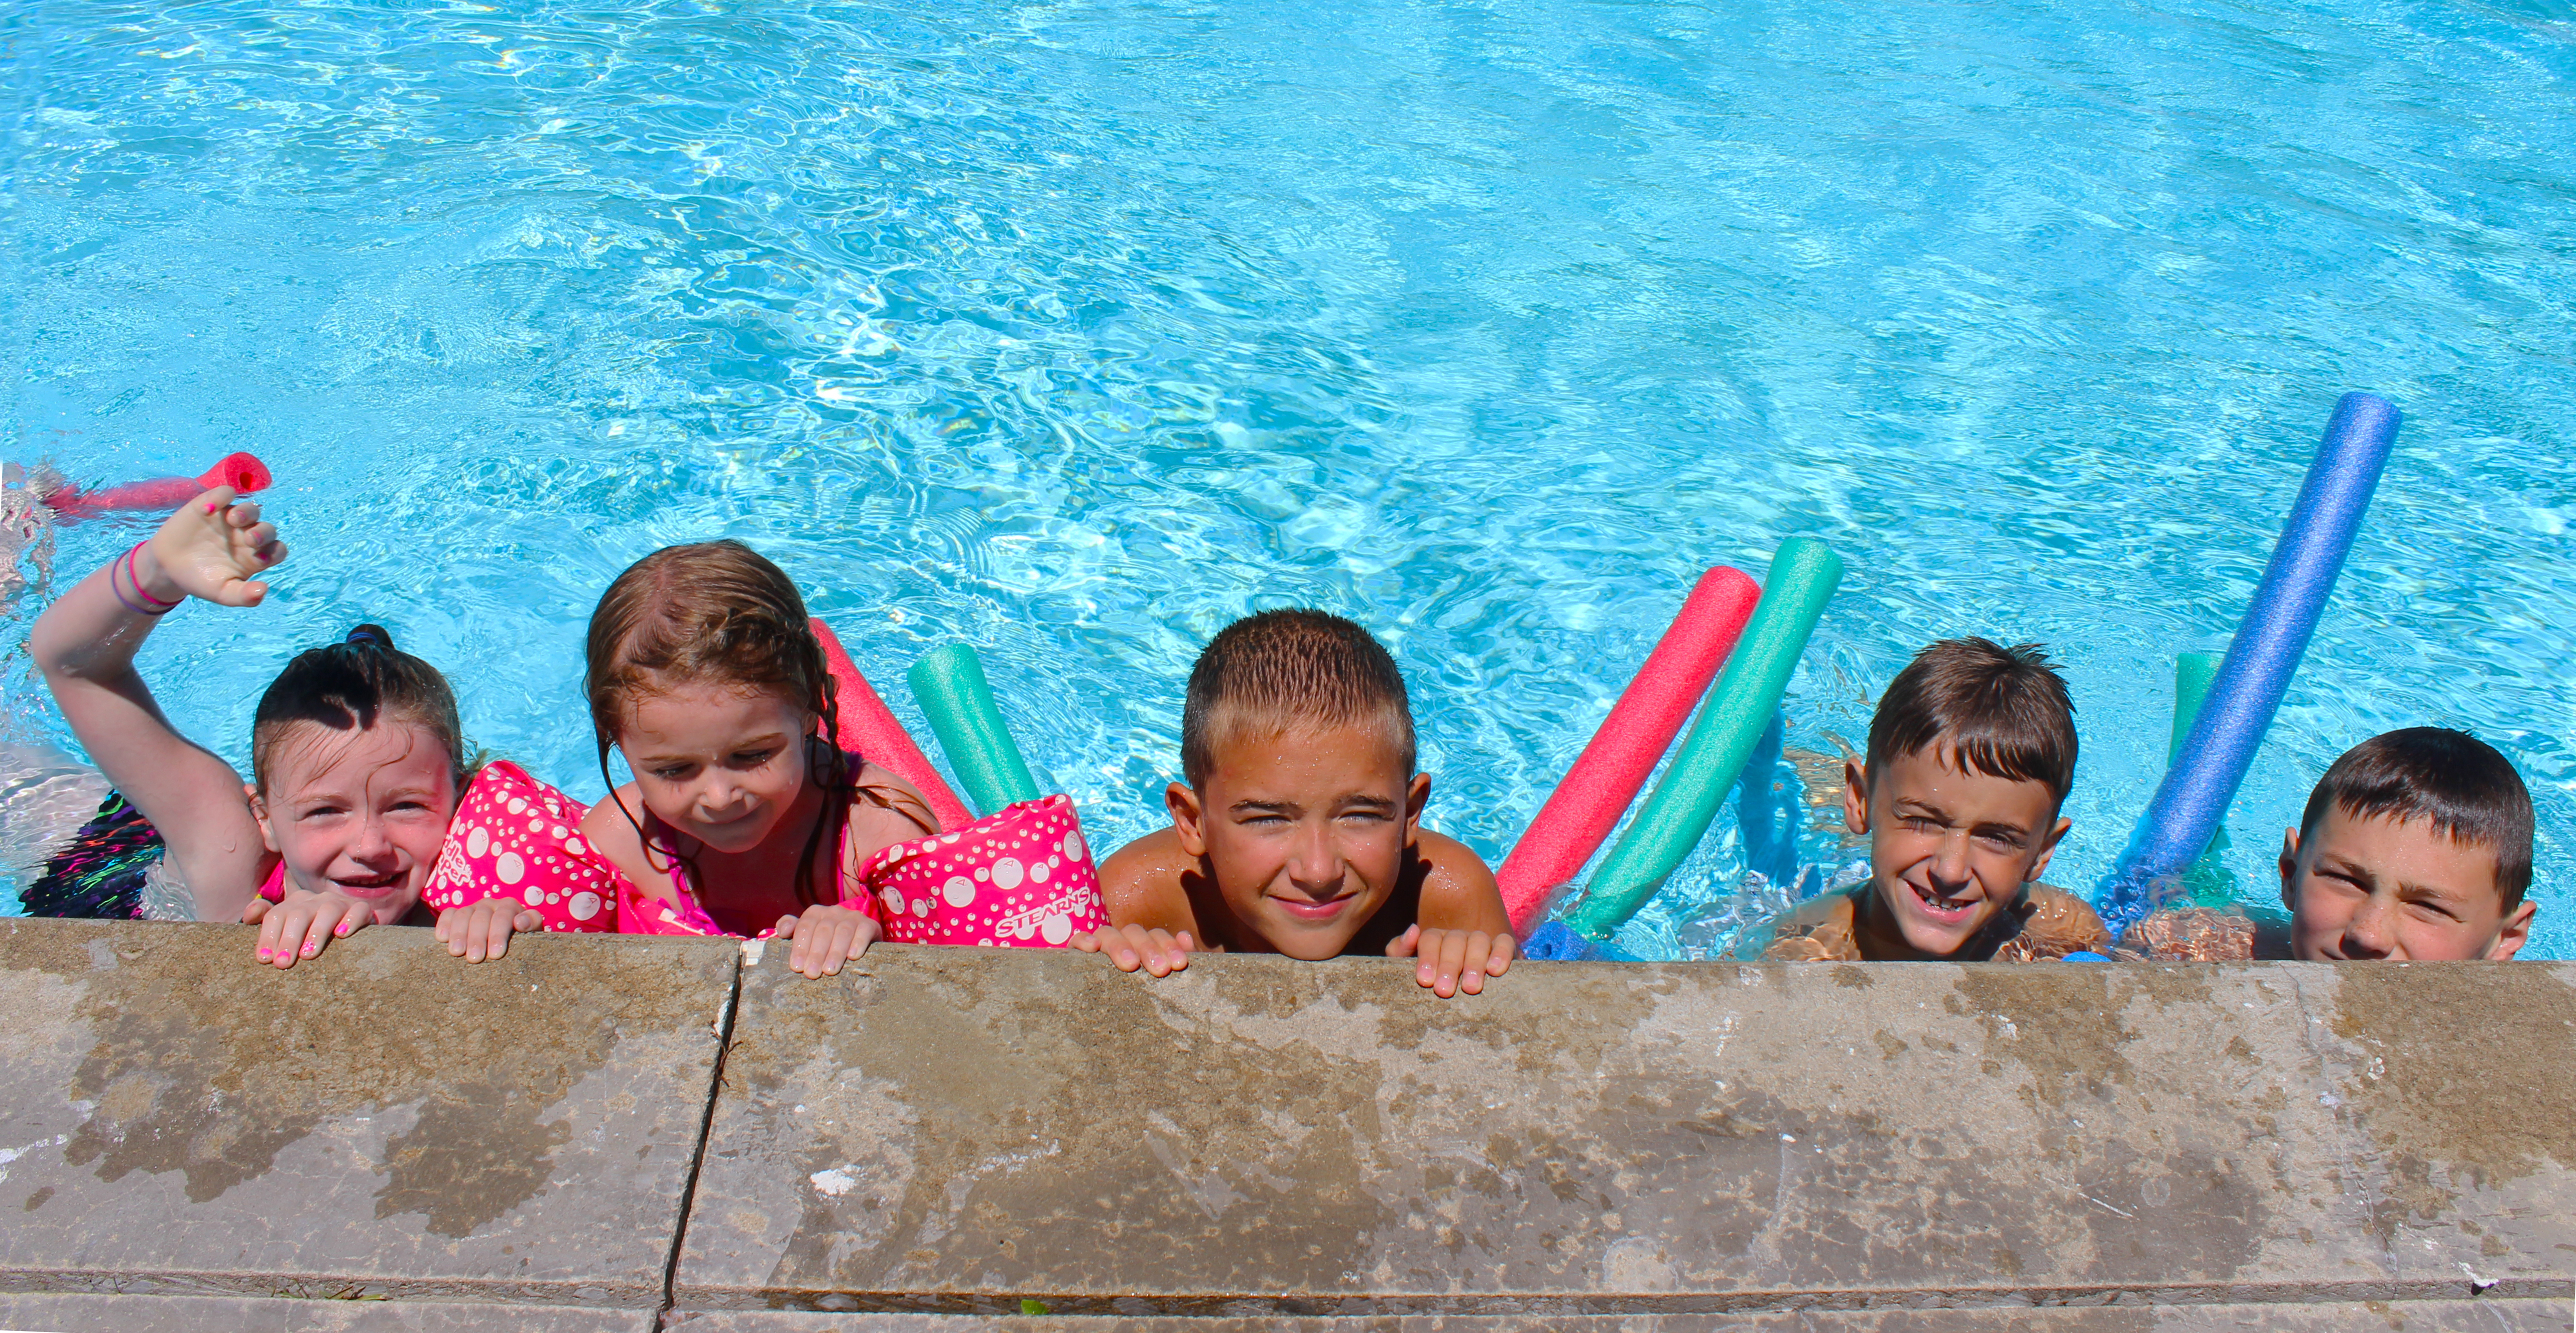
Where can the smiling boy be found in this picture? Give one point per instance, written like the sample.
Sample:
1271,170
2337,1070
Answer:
1971,754
1299,828
2414,847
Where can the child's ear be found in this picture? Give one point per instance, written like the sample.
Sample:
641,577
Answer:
2048,848
1188,817
2290,871
2517,929
1417,794
1855,796
259,812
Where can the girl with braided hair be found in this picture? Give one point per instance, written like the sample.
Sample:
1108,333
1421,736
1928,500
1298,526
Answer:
705,673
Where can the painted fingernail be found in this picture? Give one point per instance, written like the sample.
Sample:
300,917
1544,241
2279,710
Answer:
210,506
341,929
310,948
263,954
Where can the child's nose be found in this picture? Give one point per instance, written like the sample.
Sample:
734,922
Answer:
1950,863
373,840
1314,864
2372,931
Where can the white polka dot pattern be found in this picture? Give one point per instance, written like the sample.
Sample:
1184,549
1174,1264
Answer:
494,848
1022,877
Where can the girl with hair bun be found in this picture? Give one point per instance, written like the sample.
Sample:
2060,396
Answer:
358,760
704,671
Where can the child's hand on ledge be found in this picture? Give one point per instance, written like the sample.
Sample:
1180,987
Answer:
481,930
1453,960
301,924
827,937
1130,947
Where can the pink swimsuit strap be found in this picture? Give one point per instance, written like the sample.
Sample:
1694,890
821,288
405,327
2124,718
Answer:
658,835
657,839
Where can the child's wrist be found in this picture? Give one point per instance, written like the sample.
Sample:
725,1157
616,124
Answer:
151,579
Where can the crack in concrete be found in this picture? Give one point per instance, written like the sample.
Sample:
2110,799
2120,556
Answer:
723,1032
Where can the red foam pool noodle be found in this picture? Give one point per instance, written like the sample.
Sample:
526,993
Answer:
242,472
1586,806
868,727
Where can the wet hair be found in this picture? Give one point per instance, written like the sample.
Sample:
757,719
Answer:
711,613
1293,667
2005,710
2450,779
349,686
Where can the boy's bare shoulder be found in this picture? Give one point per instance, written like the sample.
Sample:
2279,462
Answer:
1457,858
1458,889
1141,883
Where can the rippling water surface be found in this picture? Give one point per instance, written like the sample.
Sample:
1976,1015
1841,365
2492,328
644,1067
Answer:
1074,330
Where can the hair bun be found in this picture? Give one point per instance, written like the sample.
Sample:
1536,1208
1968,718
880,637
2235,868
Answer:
375,636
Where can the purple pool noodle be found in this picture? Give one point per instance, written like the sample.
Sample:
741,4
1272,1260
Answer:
2260,660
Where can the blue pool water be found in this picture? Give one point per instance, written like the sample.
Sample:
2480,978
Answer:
1074,329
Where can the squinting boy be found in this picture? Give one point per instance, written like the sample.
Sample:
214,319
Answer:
2414,847
1299,828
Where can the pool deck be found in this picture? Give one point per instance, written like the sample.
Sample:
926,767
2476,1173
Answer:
603,1134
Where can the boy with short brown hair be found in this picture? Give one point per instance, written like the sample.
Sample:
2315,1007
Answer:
1971,755
1298,830
2415,846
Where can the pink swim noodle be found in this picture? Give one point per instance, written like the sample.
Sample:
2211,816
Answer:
243,472
1641,726
869,728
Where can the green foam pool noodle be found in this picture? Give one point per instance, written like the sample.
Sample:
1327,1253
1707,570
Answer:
957,699
2193,673
1804,574
2209,883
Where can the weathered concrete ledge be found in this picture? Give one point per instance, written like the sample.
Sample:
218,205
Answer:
2473,1316
383,1123
938,1135
204,1314
1254,1137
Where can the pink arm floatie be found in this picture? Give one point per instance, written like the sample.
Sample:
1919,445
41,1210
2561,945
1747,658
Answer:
516,837
1019,877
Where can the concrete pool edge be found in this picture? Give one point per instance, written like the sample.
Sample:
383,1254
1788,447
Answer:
950,1132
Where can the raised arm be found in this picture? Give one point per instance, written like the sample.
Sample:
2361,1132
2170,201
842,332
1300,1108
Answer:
212,549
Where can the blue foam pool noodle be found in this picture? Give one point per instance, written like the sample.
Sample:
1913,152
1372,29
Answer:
2260,661
1554,942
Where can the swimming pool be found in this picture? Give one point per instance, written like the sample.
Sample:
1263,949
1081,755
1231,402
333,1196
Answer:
1073,330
